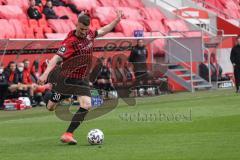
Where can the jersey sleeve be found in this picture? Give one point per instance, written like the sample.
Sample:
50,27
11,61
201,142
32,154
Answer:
65,49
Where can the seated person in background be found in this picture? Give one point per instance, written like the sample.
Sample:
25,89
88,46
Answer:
35,72
72,6
128,71
25,82
44,66
12,77
39,3
33,12
204,69
119,71
104,80
50,13
30,78
216,69
3,86
57,3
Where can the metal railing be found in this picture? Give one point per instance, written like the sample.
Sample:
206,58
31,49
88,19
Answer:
189,52
213,30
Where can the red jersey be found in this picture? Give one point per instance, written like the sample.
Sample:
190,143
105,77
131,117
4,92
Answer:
77,55
27,77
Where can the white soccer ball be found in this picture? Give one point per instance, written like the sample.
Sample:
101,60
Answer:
95,136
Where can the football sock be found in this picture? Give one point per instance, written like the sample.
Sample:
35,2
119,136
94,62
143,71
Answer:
77,119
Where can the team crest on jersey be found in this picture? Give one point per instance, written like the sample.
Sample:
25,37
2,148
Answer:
62,50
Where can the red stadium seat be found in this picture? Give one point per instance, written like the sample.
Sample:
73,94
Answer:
151,13
71,25
12,12
30,36
105,14
24,4
2,33
42,23
130,13
110,3
33,23
56,35
85,4
176,25
132,3
67,27
65,11
127,27
154,25
39,35
56,25
61,26
18,26
9,28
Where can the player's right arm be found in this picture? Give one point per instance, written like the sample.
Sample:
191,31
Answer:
51,65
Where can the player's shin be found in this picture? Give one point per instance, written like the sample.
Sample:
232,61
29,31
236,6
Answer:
77,119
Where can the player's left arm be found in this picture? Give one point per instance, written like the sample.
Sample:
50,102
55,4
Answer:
108,28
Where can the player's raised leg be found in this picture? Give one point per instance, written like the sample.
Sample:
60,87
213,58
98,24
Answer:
52,99
78,118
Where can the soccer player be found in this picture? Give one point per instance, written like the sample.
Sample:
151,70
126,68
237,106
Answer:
78,45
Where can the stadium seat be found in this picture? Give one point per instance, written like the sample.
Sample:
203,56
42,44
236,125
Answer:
24,4
56,25
33,23
56,35
105,14
127,27
176,25
132,3
151,13
67,25
12,12
19,29
42,23
85,4
130,13
65,11
154,25
9,28
61,26
110,3
30,36
39,36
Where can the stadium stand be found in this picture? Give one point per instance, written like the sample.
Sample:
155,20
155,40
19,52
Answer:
137,16
231,8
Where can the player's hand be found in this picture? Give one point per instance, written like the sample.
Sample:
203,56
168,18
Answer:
42,79
119,14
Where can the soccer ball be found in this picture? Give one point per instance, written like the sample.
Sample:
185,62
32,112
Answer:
95,136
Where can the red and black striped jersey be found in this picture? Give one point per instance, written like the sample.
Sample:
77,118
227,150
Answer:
77,55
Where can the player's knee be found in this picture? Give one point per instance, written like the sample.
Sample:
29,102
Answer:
86,105
51,106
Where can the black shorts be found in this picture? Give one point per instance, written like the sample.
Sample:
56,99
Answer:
77,88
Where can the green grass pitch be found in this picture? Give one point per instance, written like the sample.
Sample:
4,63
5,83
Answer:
183,126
